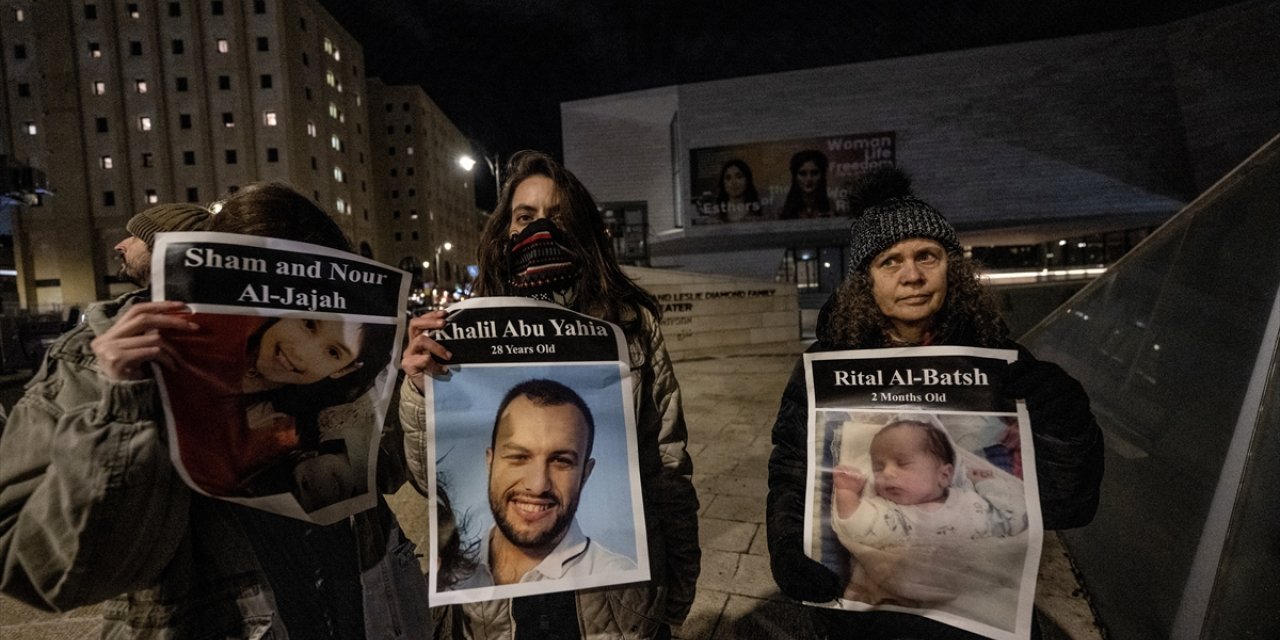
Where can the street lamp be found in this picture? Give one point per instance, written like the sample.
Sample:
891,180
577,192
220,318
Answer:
467,163
448,246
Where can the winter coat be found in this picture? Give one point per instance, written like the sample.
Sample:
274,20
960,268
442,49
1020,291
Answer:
91,509
1068,452
670,509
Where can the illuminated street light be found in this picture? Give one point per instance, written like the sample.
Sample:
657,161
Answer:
468,163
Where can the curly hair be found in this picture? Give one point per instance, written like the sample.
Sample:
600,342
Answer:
857,322
602,290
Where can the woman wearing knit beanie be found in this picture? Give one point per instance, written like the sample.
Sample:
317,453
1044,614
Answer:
909,284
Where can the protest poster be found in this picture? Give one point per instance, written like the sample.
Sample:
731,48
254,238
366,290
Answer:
532,455
277,400
921,491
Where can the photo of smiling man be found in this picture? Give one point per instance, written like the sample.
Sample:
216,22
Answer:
539,461
540,467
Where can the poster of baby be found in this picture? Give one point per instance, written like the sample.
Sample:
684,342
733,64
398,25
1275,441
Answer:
922,487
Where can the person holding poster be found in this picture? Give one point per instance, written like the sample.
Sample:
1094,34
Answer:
546,240
807,197
910,285
92,508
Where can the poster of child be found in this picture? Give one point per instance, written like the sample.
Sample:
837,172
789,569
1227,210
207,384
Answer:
925,512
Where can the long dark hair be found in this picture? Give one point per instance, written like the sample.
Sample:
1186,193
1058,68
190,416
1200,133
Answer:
750,195
276,210
795,197
968,314
602,290
305,401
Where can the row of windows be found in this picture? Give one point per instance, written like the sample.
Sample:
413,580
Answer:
177,46
231,156
132,9
146,123
180,83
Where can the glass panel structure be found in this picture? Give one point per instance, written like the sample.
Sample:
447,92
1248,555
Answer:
1176,345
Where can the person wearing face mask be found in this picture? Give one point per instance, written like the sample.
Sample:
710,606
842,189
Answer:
546,240
910,285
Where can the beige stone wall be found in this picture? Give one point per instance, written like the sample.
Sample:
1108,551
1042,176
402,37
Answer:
704,313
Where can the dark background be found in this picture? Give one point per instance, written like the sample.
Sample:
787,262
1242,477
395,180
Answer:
500,68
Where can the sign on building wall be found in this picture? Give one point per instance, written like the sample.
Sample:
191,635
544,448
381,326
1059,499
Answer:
783,179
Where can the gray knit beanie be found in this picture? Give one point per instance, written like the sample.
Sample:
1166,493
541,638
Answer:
167,217
886,213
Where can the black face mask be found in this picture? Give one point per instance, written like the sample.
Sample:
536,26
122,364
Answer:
540,262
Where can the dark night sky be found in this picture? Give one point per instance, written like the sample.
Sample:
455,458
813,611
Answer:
500,68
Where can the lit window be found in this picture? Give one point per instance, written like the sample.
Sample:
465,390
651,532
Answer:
311,129
328,78
269,118
339,87
144,123
105,162
140,85
152,196
341,205
333,110
223,47
99,88
132,10
337,55
228,119
95,50
19,15
335,142
358,100
29,128
337,174
408,151
328,45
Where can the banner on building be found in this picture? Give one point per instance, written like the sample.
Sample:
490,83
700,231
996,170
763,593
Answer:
277,400
922,492
783,179
534,478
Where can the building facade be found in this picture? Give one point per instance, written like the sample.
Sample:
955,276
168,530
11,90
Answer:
1031,144
427,199
126,104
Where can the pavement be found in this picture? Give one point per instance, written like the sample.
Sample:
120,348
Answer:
730,402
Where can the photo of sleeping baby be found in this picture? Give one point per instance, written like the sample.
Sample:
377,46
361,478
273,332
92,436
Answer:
925,511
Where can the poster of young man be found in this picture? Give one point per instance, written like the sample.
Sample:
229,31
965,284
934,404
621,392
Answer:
276,399
531,442
922,485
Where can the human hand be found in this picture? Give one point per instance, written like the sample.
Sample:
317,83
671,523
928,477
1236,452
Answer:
417,360
847,484
135,340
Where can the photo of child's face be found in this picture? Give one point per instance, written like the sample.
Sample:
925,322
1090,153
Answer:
906,472
306,350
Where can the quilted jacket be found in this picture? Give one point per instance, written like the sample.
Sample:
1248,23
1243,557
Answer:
670,509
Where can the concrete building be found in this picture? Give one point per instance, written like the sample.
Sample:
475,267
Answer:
426,199
1087,141
125,104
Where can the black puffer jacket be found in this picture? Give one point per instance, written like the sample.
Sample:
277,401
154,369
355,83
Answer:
1068,453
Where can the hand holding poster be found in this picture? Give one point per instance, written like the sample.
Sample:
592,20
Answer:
276,400
921,490
531,449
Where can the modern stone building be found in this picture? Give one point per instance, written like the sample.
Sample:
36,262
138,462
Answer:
125,104
427,200
1063,151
